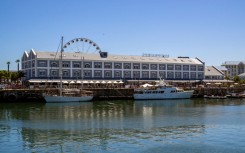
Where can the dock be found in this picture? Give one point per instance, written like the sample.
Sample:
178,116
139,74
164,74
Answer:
35,95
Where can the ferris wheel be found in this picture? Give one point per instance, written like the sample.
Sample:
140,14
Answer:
81,45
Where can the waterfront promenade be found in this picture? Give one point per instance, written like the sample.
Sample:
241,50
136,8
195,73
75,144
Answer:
35,94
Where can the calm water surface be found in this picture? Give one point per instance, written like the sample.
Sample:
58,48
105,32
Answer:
197,126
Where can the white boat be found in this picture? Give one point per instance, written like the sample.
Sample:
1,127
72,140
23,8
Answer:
161,91
64,99
71,95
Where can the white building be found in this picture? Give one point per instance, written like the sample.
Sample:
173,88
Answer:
45,65
234,68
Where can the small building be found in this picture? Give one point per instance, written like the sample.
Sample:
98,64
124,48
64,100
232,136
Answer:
212,73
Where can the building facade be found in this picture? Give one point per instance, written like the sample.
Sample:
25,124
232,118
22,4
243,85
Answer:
234,68
213,73
46,65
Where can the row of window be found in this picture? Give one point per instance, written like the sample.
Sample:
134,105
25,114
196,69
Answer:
120,74
109,65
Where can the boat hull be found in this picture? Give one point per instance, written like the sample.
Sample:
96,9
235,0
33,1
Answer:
158,96
64,99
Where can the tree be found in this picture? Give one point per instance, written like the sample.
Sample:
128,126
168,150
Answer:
3,76
18,64
227,78
236,79
8,63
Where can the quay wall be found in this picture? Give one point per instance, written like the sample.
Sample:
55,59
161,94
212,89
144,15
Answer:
35,95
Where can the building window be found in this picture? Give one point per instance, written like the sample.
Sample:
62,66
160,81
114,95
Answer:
153,66
178,75
54,73
117,65
87,73
185,75
153,74
108,74
162,74
54,64
76,73
97,65
162,67
193,68
200,75
65,73
127,74
42,73
170,67
127,66
170,75
136,74
200,68
76,65
178,67
33,73
66,64
193,75
97,74
40,63
136,66
87,65
107,65
117,74
145,66
145,74
33,63
186,67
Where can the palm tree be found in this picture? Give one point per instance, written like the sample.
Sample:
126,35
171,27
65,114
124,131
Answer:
8,63
18,64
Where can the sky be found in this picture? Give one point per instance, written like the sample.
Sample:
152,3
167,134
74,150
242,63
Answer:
211,30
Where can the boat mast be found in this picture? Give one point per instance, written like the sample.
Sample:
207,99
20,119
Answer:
82,58
60,65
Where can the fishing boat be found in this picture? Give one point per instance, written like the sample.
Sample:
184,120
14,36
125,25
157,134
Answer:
161,91
67,95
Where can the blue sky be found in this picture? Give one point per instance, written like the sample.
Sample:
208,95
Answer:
212,30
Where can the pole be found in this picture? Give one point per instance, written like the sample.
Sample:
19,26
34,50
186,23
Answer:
60,65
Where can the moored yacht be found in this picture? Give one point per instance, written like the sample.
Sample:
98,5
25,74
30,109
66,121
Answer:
70,95
161,91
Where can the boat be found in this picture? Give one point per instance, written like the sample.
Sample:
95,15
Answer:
236,95
67,95
161,91
215,96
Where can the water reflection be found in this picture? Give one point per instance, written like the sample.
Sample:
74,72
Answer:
109,126
104,139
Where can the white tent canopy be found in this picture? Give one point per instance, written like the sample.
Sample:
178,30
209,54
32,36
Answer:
146,85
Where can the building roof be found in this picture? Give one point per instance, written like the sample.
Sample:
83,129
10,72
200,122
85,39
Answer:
242,75
119,58
221,68
212,71
233,62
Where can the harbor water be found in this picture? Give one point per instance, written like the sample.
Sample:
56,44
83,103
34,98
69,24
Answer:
169,126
